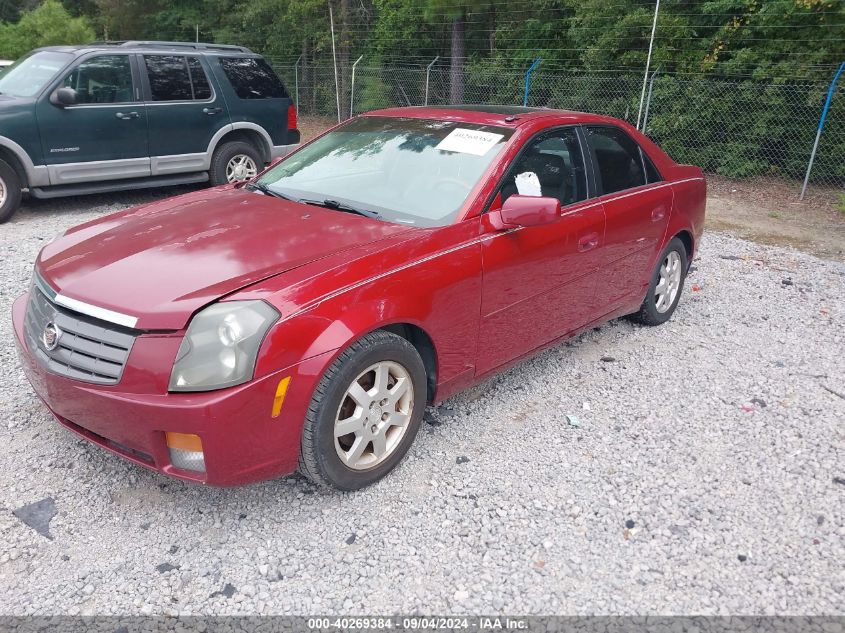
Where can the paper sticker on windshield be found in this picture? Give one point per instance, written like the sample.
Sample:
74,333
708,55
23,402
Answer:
469,141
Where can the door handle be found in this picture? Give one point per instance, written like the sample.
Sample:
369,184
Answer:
658,214
126,115
212,110
588,242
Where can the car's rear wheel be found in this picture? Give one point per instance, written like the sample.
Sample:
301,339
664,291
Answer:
667,281
365,413
233,162
10,191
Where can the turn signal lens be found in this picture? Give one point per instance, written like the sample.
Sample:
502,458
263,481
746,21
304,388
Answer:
279,400
186,451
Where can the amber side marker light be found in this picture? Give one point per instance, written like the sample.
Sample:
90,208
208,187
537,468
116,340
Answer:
279,400
186,451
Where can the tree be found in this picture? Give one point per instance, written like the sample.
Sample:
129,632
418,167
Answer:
47,25
456,12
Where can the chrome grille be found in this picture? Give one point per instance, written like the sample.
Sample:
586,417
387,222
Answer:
88,349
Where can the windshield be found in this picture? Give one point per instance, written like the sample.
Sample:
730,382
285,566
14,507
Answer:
27,76
412,171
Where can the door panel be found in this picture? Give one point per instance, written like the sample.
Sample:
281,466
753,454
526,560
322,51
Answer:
539,282
185,110
104,136
637,208
636,224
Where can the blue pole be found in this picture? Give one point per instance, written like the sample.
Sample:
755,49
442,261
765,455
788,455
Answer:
821,126
528,79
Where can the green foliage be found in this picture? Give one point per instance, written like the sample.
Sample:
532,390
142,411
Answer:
841,207
46,25
731,94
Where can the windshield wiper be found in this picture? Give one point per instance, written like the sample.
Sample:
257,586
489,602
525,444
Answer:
257,186
340,206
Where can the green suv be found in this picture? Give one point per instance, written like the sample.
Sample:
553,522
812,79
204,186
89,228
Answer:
126,115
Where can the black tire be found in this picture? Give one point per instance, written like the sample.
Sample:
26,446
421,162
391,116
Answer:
10,187
226,152
649,313
318,459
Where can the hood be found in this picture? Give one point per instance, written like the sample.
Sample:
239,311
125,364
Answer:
162,262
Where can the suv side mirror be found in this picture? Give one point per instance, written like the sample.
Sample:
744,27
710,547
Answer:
64,96
525,211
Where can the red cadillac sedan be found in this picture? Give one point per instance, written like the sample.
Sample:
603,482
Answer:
304,320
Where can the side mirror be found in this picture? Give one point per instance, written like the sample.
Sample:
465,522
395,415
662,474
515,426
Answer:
525,211
63,97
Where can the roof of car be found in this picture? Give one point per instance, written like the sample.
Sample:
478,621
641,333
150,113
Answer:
146,45
500,115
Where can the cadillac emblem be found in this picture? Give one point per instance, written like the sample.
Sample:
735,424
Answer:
50,336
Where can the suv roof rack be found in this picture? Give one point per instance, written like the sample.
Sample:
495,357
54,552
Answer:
191,45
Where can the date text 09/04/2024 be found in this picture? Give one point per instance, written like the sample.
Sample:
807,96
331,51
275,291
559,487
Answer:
417,623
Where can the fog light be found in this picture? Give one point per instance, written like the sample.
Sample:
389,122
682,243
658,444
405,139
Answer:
186,451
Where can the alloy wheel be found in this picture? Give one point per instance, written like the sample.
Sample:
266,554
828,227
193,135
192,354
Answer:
374,415
240,167
3,193
669,282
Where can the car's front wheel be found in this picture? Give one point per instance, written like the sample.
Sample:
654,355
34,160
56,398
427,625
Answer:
365,413
667,281
10,191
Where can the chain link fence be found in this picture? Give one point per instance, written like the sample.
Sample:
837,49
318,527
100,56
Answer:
737,129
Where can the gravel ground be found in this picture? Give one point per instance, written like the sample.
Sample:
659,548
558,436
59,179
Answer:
704,474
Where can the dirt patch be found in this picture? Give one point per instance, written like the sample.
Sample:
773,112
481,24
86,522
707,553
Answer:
311,126
768,211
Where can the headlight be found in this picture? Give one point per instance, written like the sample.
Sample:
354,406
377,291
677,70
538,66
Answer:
221,345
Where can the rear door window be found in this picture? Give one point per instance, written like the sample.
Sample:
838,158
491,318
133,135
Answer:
169,78
252,78
199,80
618,159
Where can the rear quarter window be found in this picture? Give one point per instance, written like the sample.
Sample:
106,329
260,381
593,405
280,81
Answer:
252,78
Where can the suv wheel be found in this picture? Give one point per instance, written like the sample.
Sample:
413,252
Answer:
10,191
234,161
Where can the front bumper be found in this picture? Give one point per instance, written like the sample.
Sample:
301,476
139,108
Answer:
242,442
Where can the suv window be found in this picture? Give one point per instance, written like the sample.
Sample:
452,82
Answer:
102,79
618,158
176,78
551,165
199,80
252,78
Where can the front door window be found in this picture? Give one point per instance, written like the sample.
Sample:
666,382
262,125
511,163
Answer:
103,79
552,166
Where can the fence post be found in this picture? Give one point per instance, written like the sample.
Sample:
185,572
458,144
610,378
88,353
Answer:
334,59
648,99
427,75
296,81
819,131
352,90
648,60
528,79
